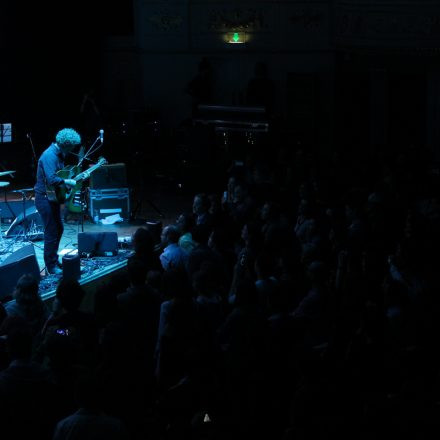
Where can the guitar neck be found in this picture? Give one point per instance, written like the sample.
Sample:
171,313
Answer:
86,174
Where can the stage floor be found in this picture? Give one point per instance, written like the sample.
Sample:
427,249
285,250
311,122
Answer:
163,204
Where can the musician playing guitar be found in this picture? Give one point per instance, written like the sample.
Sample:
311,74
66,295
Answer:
51,161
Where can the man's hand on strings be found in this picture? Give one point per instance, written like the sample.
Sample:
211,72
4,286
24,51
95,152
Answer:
70,182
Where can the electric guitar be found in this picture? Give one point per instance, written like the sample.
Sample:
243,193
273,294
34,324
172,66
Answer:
62,194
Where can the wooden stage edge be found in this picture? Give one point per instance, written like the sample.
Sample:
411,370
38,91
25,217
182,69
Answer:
90,283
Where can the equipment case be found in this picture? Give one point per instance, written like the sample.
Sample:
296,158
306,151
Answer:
109,201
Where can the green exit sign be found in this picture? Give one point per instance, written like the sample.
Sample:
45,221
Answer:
236,37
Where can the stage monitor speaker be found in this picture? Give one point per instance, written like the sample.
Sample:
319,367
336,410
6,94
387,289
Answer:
109,176
20,262
13,208
33,226
97,243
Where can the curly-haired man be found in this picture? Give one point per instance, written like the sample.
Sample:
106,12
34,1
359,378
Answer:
51,161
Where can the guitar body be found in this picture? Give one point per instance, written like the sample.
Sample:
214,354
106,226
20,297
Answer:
70,196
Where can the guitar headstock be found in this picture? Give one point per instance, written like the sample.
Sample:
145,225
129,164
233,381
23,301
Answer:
102,161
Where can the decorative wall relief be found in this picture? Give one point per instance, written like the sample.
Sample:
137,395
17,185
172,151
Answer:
166,21
162,26
249,19
305,26
308,19
389,25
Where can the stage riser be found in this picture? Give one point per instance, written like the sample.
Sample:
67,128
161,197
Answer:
90,284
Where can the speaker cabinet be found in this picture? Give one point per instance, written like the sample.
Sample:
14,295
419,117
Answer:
32,225
13,208
109,176
97,243
20,262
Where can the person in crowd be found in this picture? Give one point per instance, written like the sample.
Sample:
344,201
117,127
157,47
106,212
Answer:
201,213
173,256
28,399
185,224
89,421
28,304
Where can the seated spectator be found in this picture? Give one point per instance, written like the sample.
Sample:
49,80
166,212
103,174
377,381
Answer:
241,337
275,227
202,252
219,217
145,250
305,227
28,304
201,213
27,398
90,422
220,243
139,312
185,224
173,256
242,205
178,331
267,285
313,310
73,323
208,298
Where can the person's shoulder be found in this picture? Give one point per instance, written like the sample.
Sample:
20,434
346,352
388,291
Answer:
12,308
49,151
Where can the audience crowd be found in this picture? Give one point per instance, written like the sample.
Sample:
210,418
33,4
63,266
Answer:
302,302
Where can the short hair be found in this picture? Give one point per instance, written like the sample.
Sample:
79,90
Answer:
68,137
186,222
70,294
26,290
204,200
172,234
143,241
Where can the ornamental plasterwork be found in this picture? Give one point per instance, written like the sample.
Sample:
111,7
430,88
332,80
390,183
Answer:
309,19
237,19
166,21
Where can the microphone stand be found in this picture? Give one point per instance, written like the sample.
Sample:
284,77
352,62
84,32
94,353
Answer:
28,135
86,155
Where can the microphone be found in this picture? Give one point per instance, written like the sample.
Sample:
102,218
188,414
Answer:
101,135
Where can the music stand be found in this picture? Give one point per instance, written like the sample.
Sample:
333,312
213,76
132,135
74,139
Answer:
23,193
5,133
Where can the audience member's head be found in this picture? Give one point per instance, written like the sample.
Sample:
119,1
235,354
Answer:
69,294
215,205
240,193
170,235
26,291
269,211
200,204
185,223
218,239
143,242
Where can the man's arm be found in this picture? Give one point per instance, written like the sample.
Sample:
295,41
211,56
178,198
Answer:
50,168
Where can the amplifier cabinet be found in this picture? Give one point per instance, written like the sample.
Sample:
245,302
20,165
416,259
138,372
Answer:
109,176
